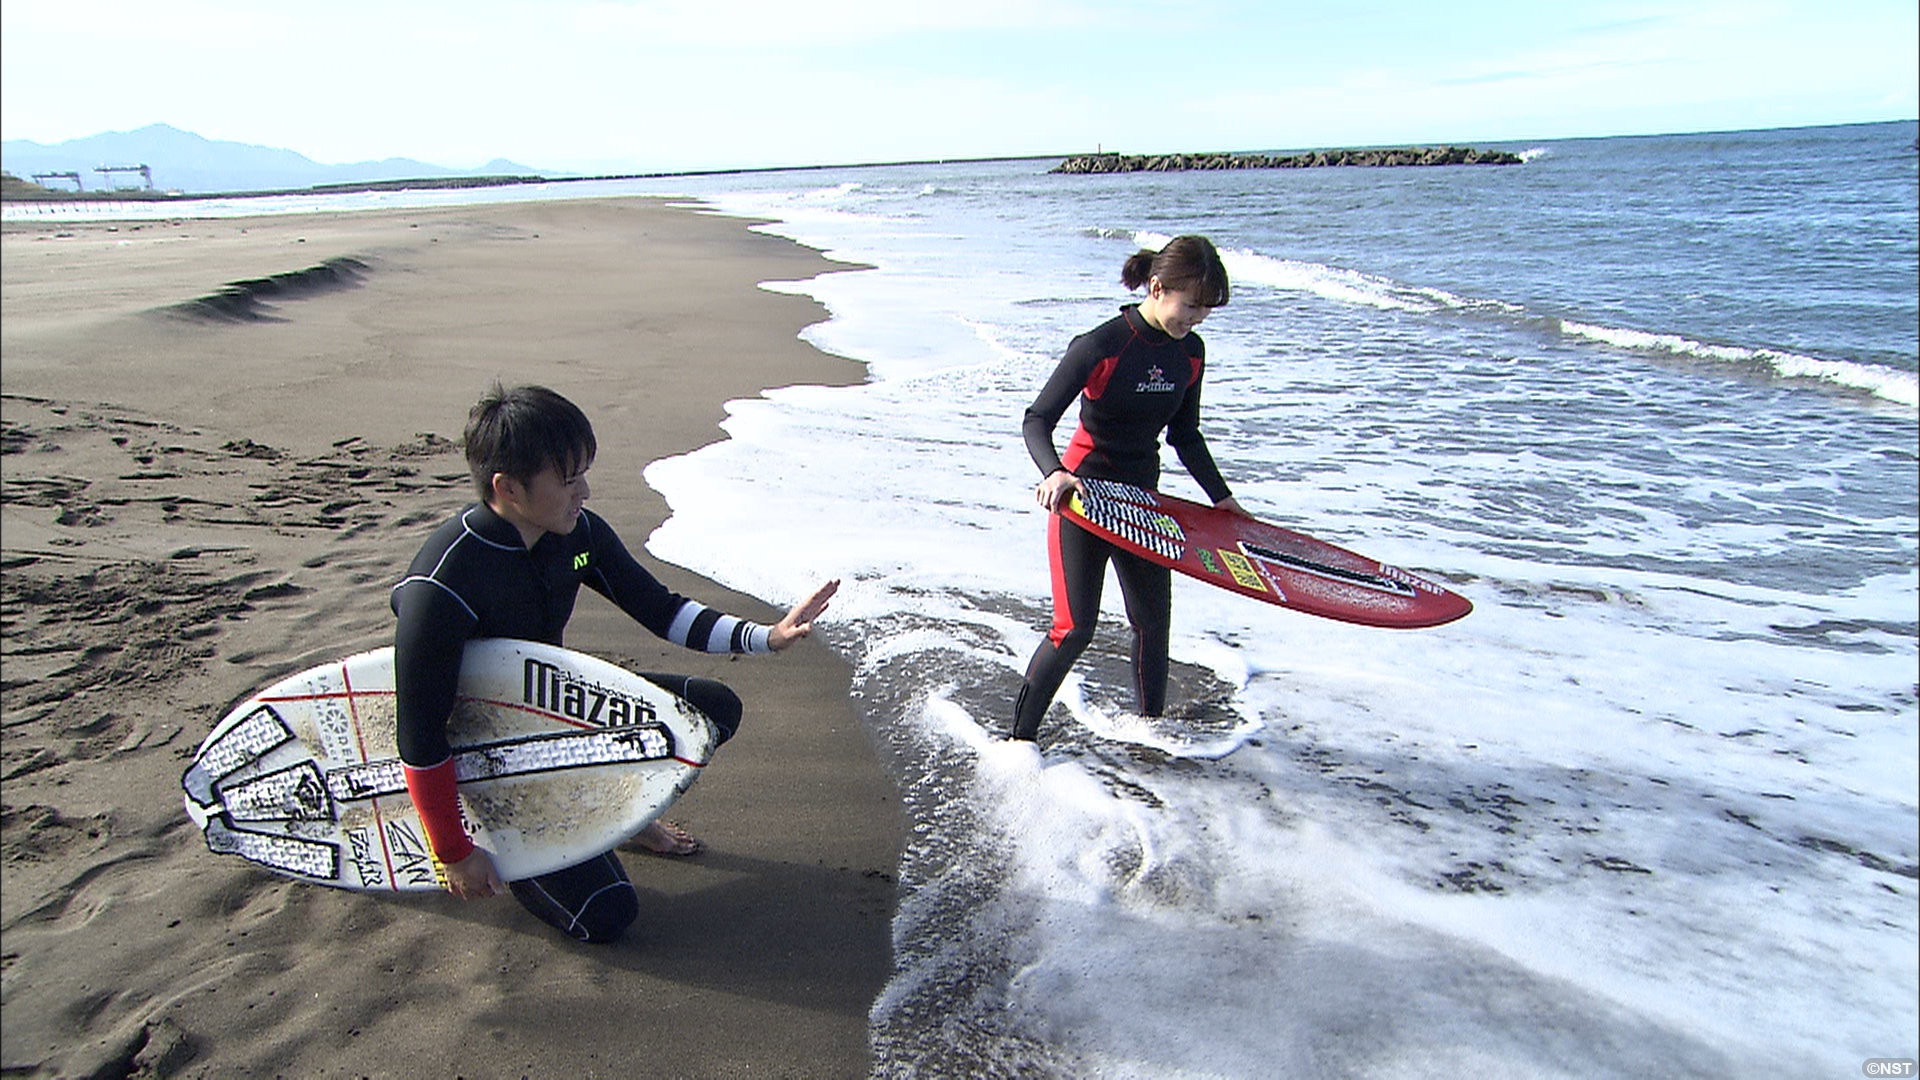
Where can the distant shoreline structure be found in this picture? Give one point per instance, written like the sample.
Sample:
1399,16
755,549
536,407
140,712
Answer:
18,190
1390,158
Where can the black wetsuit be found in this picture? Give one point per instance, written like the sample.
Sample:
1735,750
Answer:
1133,382
475,578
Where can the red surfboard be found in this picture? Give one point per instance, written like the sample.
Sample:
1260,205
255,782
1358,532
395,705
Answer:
1263,561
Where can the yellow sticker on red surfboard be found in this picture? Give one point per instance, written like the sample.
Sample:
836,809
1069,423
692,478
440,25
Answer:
1242,570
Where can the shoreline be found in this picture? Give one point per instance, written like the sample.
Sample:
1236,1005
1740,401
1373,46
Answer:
197,504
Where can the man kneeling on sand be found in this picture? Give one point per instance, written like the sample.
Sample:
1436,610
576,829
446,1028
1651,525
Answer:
510,566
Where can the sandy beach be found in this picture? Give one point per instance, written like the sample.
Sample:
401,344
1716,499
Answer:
205,490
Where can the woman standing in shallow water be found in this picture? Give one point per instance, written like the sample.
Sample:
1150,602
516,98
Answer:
1136,375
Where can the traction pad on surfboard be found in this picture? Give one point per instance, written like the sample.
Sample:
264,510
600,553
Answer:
1128,511
304,792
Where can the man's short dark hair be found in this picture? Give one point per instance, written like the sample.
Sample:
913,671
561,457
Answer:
522,431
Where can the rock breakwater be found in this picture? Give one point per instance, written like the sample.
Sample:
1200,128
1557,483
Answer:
1407,156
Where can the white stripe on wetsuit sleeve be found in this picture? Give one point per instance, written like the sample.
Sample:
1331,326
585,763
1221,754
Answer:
698,627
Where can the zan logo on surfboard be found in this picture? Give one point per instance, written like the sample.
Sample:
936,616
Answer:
554,689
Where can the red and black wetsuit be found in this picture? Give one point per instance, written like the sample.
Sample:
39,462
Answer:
475,578
1133,382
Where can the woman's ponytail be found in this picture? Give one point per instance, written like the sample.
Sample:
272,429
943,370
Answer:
1187,263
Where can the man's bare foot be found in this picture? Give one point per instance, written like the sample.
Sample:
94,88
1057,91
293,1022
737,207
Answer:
664,838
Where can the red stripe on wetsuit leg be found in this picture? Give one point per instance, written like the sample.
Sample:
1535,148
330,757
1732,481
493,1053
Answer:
1062,607
1078,448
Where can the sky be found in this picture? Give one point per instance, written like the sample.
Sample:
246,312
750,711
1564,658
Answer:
598,86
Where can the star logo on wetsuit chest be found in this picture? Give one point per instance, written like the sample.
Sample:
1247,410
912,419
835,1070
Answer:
1156,382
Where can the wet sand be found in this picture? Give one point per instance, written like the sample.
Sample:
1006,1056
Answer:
208,487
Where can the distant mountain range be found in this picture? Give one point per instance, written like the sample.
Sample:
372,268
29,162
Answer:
182,161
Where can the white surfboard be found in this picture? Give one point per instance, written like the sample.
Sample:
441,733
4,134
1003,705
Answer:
560,756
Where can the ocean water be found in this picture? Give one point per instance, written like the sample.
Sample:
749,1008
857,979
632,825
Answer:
1650,810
